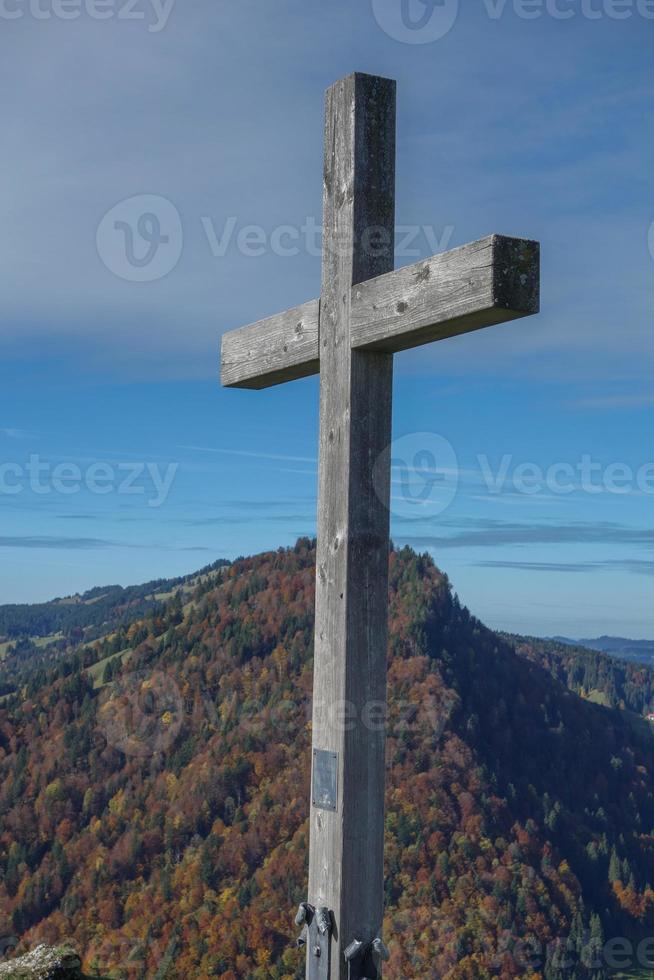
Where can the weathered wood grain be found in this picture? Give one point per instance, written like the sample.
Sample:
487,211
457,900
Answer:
281,348
346,852
366,313
487,282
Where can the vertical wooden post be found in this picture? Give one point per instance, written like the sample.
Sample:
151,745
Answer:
365,314
347,844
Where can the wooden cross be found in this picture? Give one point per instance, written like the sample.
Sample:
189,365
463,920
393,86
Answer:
366,312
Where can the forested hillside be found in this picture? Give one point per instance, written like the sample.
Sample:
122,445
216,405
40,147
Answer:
640,651
39,635
110,604
608,680
158,815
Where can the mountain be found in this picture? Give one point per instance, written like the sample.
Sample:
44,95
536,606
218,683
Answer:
95,608
156,812
641,651
595,676
41,633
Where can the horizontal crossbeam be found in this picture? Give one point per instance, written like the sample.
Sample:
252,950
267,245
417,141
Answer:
490,281
281,348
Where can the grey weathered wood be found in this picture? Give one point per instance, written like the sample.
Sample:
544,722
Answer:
487,282
347,846
366,313
281,348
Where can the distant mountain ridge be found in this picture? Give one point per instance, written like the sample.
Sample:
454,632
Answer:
98,606
640,651
612,681
38,635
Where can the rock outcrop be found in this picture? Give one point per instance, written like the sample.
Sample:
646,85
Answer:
44,963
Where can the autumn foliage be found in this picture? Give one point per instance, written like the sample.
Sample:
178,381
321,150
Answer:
161,819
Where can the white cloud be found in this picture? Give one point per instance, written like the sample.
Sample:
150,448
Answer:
183,119
15,433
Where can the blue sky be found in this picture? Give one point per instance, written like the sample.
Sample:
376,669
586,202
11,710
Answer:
536,126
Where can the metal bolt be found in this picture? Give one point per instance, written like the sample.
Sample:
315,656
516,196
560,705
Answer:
381,950
353,950
316,951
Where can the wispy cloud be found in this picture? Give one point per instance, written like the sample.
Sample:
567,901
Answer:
15,433
634,566
486,534
228,521
55,542
540,566
626,401
250,455
262,504
52,541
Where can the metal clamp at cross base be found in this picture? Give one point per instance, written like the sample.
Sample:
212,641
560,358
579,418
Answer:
361,958
316,936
